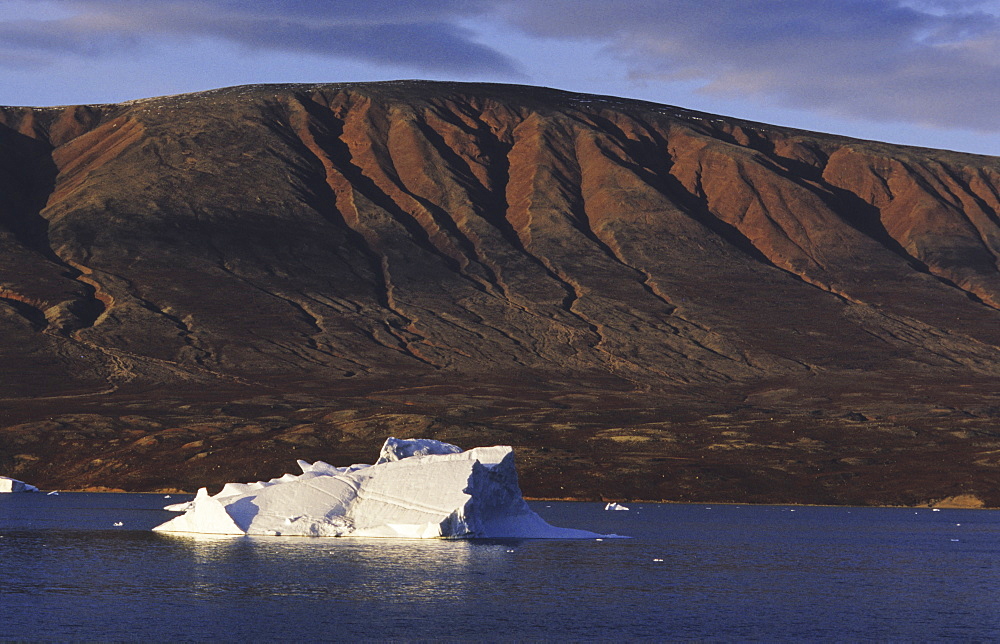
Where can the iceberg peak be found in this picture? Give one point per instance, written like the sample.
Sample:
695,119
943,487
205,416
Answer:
395,449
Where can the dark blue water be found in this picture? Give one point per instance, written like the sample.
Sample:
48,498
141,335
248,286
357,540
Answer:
689,572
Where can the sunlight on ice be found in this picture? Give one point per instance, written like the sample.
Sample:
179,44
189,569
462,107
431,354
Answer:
418,488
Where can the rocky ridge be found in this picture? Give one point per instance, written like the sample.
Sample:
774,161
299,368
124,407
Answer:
647,302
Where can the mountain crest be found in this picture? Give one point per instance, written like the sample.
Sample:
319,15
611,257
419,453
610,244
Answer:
358,237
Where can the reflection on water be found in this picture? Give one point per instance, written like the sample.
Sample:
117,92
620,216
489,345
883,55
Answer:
689,572
349,569
66,584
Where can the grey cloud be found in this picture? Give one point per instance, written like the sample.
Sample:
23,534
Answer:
364,10
928,62
64,36
420,35
430,46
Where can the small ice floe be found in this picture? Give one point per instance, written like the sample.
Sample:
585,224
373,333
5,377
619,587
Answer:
118,524
954,539
935,509
53,493
166,496
658,560
8,484
615,506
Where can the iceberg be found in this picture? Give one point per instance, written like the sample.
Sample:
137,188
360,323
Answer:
615,506
418,489
8,484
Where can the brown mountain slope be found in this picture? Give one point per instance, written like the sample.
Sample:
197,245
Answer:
647,302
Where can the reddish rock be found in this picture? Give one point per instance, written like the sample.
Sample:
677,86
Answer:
646,302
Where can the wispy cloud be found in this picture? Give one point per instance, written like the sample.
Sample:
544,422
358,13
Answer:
419,35
921,61
933,62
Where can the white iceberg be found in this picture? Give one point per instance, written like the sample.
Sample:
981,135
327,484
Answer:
8,484
418,488
615,506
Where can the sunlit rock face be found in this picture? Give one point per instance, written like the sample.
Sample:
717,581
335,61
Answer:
363,228
418,489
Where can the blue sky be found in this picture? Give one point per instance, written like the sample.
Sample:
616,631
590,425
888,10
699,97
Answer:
920,72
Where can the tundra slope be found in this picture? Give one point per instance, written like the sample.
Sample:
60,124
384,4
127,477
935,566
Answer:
646,302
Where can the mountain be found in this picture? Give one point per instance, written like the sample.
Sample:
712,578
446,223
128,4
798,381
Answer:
646,302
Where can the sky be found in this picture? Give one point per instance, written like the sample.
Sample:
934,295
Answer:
918,72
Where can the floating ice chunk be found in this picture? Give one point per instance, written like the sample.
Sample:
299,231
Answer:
53,493
418,489
8,484
203,514
615,506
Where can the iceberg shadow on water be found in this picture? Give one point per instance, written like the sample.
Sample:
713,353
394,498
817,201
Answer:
417,489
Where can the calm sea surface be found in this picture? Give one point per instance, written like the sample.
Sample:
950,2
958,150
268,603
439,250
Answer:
67,572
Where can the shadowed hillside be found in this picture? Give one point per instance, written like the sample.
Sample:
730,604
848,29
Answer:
646,302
